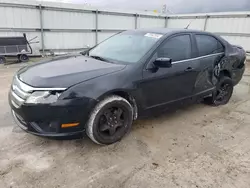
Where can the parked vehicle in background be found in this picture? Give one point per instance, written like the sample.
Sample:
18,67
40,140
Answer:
128,76
15,46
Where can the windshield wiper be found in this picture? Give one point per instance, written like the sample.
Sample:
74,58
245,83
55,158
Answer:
100,58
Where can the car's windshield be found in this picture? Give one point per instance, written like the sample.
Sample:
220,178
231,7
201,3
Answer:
125,47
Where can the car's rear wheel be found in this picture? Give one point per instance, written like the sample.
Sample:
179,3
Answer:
110,120
223,93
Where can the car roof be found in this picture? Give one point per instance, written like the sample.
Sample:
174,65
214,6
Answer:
167,30
171,31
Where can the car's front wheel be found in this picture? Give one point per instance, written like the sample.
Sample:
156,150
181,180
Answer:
223,92
110,120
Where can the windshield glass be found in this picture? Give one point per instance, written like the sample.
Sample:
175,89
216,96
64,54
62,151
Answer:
125,47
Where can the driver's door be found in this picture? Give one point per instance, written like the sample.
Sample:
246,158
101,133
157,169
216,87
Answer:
167,85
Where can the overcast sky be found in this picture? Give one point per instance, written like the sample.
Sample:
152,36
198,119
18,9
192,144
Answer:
176,6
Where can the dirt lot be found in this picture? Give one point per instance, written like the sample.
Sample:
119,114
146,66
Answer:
198,146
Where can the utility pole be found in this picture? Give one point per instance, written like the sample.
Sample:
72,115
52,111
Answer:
164,9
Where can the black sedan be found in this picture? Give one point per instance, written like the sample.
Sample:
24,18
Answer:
128,76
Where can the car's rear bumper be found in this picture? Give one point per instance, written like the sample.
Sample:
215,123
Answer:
237,74
46,120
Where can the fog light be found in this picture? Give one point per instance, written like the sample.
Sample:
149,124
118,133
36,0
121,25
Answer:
69,125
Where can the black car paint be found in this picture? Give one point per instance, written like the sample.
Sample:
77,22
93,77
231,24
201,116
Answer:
70,70
45,119
149,88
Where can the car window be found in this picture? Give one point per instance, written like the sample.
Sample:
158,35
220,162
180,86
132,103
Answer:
208,45
126,47
177,48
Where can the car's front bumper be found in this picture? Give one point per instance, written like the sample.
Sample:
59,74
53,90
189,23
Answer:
35,129
47,119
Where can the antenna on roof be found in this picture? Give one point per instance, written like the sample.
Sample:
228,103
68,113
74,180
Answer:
190,23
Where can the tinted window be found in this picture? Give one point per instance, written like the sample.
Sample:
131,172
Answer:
208,45
177,48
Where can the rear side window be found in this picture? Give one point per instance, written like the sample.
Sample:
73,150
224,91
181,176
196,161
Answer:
208,45
177,48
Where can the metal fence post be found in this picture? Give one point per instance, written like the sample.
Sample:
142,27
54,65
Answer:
166,22
136,21
205,23
41,27
96,27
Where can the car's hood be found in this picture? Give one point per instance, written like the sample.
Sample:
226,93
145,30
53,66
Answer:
66,71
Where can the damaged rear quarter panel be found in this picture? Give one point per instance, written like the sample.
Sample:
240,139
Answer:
229,63
206,78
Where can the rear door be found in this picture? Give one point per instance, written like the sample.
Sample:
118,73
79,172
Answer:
167,85
210,52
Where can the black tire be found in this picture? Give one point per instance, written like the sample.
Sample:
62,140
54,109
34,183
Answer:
110,120
2,60
23,58
223,93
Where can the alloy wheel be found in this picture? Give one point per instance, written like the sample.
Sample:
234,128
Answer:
111,121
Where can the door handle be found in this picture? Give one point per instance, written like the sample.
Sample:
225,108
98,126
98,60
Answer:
189,69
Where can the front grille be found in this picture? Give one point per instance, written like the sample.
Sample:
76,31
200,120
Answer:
19,92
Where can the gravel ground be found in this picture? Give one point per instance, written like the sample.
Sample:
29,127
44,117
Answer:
196,146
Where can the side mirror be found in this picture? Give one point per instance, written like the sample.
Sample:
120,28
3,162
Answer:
163,62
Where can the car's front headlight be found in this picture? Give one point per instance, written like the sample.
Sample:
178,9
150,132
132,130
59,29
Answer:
42,97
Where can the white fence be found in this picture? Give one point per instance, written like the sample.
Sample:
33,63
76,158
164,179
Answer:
68,27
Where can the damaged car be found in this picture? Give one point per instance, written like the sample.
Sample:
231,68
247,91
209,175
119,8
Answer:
130,75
